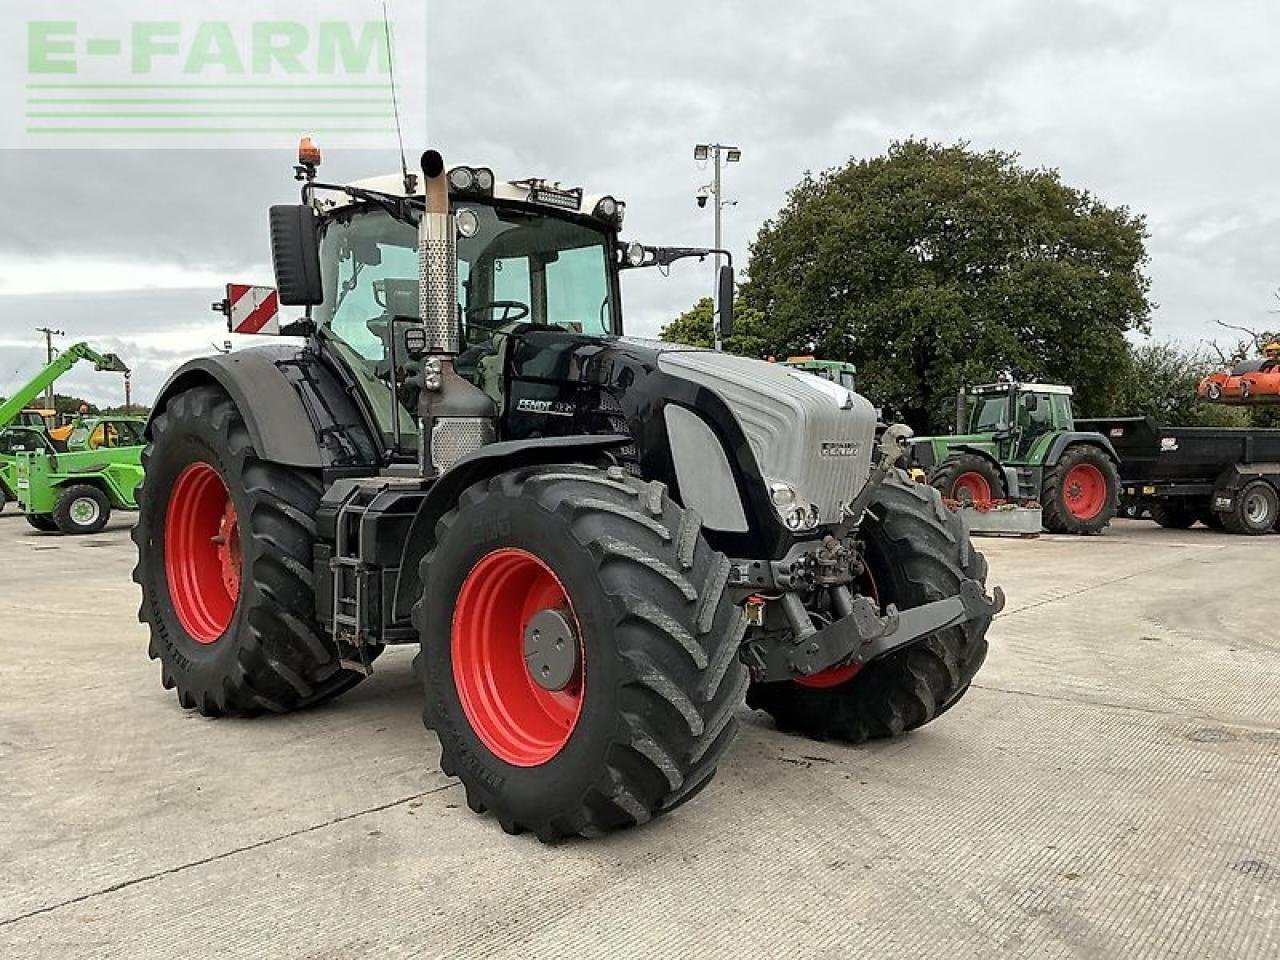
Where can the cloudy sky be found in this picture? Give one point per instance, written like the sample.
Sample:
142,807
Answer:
1168,107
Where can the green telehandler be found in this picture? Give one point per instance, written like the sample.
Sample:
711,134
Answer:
1017,442
75,491
24,430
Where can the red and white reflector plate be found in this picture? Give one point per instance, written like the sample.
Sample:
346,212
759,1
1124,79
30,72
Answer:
253,309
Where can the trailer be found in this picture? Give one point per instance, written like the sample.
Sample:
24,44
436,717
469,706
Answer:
1225,478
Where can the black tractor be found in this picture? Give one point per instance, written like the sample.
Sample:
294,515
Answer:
602,545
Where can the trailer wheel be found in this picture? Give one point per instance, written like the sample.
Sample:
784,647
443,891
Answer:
917,551
1080,494
1173,515
81,509
1256,510
968,477
42,522
579,650
224,561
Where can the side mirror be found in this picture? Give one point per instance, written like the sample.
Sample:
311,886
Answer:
295,254
724,302
1030,402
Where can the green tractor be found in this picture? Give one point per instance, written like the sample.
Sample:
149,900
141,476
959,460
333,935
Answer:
74,492
837,371
1017,442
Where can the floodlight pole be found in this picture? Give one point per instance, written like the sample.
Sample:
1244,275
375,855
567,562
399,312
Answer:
716,150
49,334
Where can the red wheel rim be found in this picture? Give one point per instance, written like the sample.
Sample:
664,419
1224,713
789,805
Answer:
518,720
972,486
1084,491
841,673
202,552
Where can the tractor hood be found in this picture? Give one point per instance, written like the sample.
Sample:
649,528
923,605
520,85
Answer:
811,438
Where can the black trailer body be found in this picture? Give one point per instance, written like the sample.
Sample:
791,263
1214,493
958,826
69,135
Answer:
1221,476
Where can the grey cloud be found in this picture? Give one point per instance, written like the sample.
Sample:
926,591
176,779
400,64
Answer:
1166,108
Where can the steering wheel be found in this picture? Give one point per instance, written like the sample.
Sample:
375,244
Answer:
521,310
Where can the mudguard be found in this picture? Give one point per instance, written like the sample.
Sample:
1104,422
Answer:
488,461
281,391
1065,440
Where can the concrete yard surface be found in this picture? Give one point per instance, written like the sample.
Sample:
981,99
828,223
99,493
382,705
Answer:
1109,788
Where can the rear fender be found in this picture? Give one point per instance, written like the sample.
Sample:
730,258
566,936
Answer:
296,411
1070,438
488,461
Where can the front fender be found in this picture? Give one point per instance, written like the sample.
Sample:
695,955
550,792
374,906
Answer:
489,461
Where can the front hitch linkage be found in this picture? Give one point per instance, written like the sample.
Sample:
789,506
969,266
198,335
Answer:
861,635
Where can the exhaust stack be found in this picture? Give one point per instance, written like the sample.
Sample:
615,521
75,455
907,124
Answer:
457,418
438,262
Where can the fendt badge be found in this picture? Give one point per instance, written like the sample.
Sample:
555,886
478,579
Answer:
550,408
839,449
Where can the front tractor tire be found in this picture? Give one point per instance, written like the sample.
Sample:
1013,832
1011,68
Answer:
1081,492
967,477
917,551
224,562
579,650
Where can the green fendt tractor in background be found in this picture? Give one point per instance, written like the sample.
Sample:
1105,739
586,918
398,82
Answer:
24,430
837,371
1017,442
76,491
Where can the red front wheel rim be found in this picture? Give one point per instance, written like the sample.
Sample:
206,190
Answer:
972,486
519,721
202,552
1085,491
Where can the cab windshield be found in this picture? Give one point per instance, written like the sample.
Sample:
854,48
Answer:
989,412
515,268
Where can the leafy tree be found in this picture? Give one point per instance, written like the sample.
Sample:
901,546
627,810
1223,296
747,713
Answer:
1161,380
695,327
936,266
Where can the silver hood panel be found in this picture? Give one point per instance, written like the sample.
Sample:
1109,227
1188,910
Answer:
800,426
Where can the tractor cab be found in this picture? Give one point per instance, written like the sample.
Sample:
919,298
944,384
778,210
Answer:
1015,417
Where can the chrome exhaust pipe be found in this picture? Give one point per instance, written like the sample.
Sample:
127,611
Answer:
456,417
438,262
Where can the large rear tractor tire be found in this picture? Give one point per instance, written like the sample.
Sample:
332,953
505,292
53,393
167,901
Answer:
917,551
579,650
224,561
1081,492
968,477
1256,510
1173,515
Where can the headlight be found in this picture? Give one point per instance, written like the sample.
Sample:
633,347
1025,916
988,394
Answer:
472,180
462,179
794,512
635,254
610,210
468,223
781,495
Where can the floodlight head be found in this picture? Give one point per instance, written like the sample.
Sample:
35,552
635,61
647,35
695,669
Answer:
732,155
700,151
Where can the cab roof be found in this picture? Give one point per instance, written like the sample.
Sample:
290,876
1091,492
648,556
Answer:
515,191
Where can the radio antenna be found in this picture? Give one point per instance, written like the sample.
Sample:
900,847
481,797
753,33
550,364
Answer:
410,181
